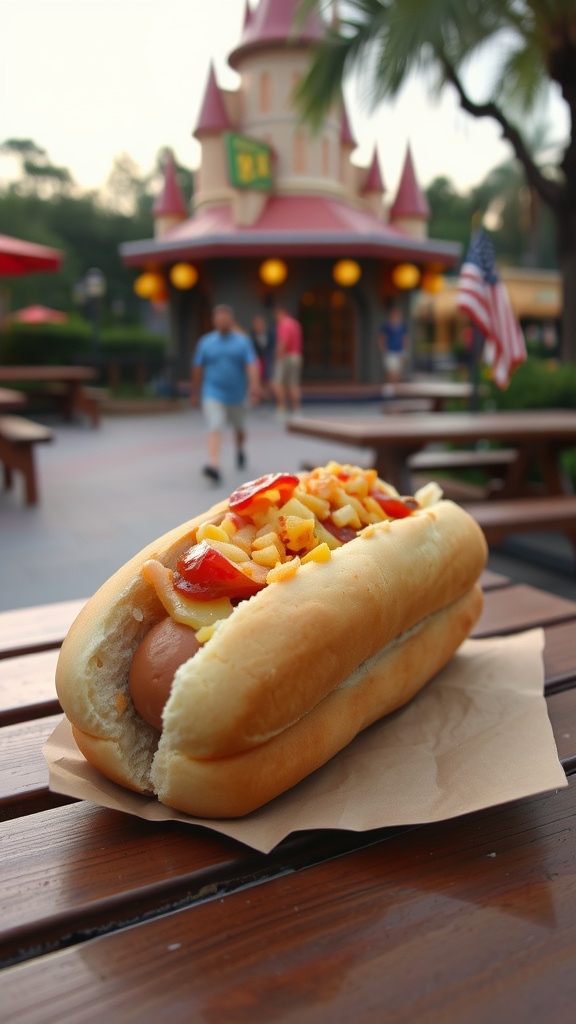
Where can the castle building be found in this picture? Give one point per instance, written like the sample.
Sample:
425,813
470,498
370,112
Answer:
281,214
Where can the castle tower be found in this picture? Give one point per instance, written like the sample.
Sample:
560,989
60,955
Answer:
211,179
348,143
373,190
410,210
169,208
271,59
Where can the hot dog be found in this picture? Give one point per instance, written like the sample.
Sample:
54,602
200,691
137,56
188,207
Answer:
242,650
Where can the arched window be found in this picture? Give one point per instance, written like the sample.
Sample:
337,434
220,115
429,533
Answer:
325,156
264,90
299,153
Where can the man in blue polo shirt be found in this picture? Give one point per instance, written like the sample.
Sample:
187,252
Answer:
393,340
224,372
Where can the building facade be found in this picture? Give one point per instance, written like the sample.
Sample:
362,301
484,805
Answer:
283,215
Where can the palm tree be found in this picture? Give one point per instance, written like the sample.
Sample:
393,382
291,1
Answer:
391,39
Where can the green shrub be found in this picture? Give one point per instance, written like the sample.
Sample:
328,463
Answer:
537,384
43,344
540,384
132,341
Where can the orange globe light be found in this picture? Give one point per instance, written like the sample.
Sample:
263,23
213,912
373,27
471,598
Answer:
346,273
148,284
161,296
183,276
432,283
406,276
273,272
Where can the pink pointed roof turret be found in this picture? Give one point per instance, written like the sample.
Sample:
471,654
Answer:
247,15
271,24
374,182
169,202
346,137
410,200
213,116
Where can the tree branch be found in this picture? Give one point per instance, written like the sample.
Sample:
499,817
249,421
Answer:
550,191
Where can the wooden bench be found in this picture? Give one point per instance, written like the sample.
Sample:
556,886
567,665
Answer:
495,460
432,464
18,437
500,519
89,400
394,405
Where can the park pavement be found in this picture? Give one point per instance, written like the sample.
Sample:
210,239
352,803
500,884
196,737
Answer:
106,493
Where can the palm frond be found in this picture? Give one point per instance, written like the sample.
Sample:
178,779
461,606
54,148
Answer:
522,83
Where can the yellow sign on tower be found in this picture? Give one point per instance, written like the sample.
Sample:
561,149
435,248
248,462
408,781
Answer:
249,162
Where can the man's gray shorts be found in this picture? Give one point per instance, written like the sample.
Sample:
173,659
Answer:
218,414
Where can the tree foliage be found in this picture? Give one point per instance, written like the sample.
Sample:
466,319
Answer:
44,204
386,41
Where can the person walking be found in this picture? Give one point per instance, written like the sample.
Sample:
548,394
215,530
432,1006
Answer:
263,340
224,373
287,362
393,340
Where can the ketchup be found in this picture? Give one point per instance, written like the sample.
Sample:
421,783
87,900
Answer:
396,508
244,495
205,574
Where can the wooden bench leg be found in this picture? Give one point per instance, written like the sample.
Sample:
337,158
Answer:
28,468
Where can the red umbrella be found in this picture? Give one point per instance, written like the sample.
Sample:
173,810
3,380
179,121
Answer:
20,257
38,315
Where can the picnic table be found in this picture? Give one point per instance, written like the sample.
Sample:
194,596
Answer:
66,384
538,437
107,916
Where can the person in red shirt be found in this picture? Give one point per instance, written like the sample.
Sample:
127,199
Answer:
288,362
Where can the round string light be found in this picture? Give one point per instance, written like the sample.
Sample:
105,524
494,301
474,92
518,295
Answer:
432,282
346,273
149,284
406,276
273,272
183,276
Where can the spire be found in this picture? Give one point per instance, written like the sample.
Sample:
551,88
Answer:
271,25
247,16
213,116
169,202
410,200
346,137
374,181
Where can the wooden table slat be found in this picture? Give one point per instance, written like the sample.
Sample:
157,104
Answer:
27,687
469,920
23,770
522,607
112,862
26,630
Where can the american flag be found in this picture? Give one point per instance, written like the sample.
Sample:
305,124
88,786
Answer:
484,298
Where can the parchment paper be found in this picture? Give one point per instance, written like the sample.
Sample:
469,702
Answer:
476,736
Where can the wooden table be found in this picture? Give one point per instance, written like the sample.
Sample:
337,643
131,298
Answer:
539,436
108,917
438,392
70,378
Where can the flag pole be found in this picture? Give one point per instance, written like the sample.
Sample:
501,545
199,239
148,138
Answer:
476,359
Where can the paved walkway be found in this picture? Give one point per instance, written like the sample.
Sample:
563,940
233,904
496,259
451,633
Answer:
106,493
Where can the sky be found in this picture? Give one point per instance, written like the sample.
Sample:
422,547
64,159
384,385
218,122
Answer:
90,79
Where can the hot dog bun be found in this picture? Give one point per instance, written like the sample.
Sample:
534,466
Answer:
290,678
